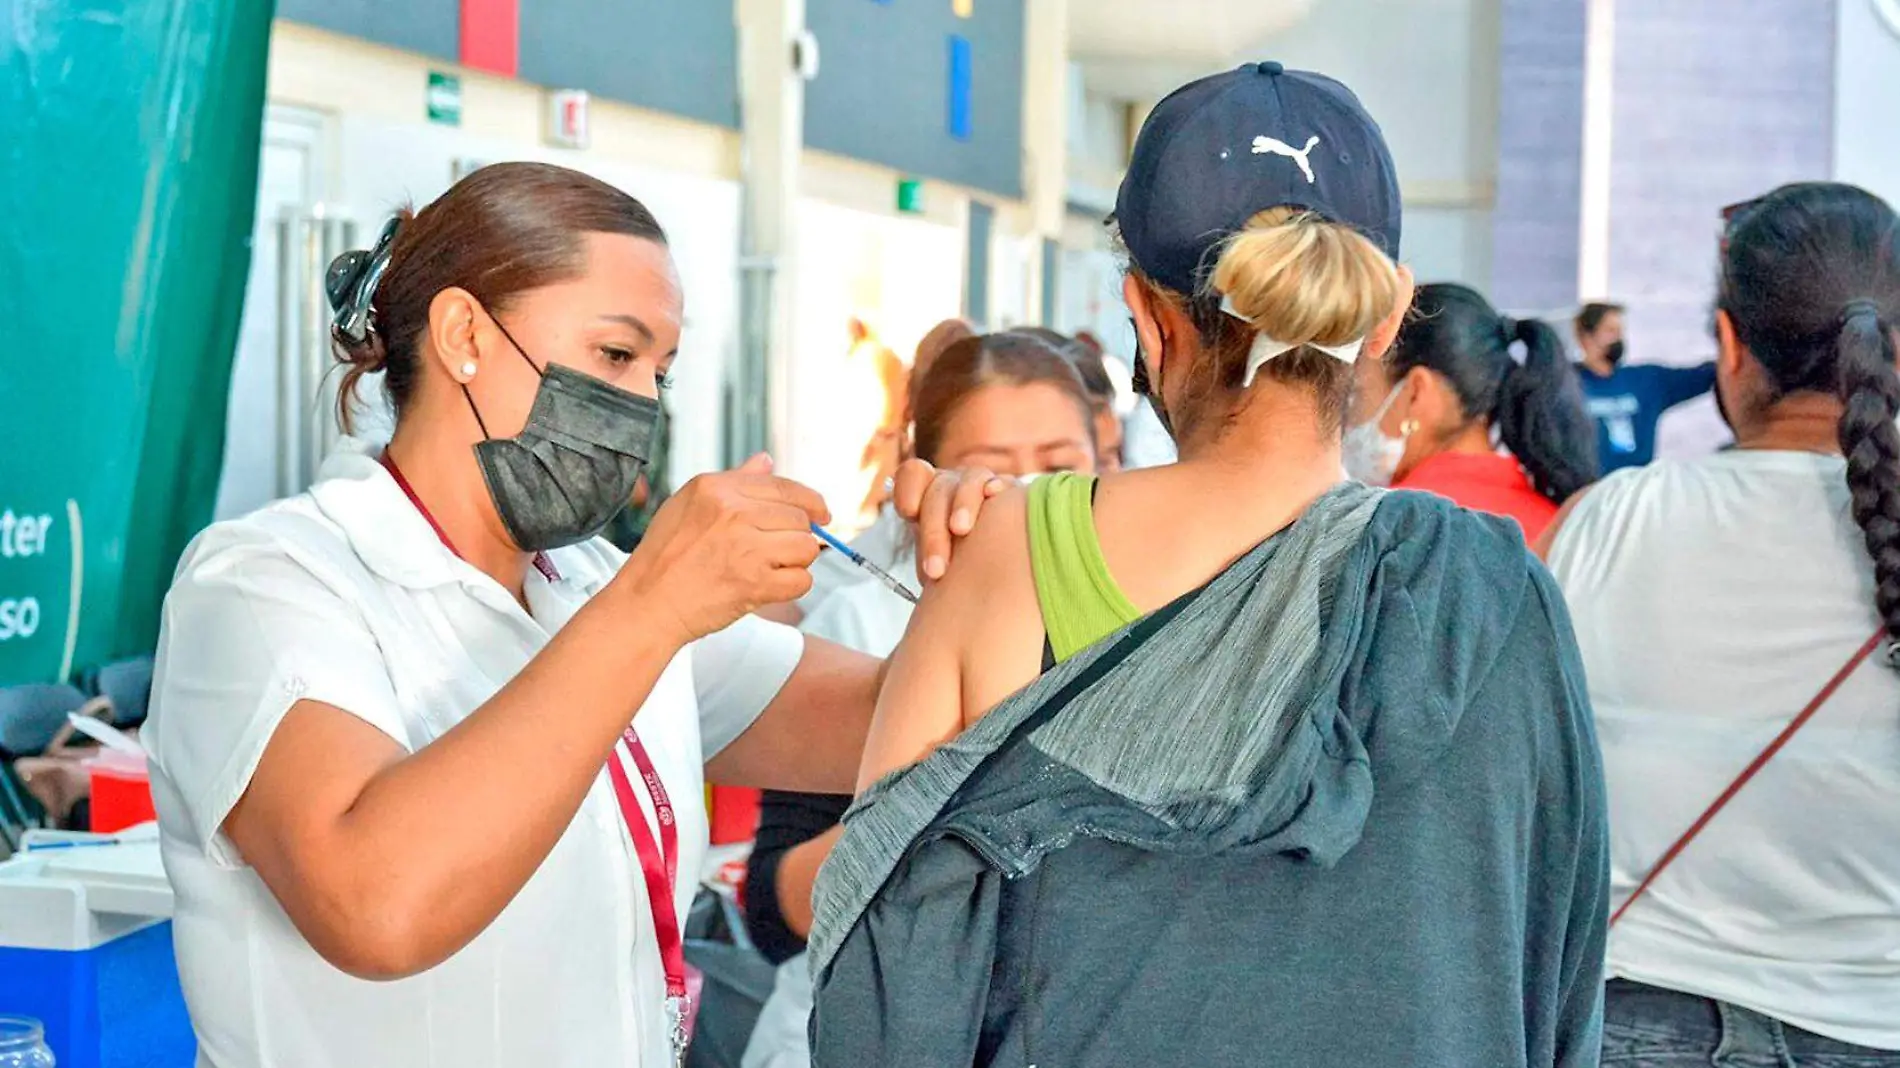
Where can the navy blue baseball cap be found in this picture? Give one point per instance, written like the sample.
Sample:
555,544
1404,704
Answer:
1219,151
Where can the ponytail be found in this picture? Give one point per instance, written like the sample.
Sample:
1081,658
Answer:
1536,407
1870,395
1811,283
1540,414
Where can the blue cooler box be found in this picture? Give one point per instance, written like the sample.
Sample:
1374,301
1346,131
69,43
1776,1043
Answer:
86,948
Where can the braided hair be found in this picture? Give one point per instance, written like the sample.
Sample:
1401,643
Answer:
1536,406
1811,281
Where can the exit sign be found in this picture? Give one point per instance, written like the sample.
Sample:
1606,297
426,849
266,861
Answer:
910,196
445,98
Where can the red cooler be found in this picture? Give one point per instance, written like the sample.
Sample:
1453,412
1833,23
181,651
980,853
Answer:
121,792
735,814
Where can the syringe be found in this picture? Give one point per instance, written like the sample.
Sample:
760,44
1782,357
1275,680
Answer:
832,541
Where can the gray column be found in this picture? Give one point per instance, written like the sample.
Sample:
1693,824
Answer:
1715,101
1540,155
772,125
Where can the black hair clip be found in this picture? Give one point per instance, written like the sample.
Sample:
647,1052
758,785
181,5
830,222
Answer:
351,284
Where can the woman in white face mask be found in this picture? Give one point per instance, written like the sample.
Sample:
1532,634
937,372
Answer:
1432,415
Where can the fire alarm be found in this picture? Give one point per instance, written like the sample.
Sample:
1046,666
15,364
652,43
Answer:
567,118
805,54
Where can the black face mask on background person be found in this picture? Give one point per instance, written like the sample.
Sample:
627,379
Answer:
574,465
1614,353
1145,386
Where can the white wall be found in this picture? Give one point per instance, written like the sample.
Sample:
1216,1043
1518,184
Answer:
901,275
387,164
1428,71
1867,99
856,255
381,153
1098,143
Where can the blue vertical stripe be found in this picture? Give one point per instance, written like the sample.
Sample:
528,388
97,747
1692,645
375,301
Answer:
961,72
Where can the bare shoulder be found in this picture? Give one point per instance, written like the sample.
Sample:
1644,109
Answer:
926,699
998,544
989,608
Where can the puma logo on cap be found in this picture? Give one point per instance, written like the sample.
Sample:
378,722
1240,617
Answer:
1265,146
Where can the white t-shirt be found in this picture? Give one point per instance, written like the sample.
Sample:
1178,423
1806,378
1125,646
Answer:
1712,600
344,595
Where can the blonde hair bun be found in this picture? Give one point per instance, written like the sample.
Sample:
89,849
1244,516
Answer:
1302,280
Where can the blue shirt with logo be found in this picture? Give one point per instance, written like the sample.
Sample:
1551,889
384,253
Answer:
1629,402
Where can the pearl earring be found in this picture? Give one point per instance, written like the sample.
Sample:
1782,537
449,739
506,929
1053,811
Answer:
468,369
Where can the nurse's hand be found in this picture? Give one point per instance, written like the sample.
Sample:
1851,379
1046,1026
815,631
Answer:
722,547
943,506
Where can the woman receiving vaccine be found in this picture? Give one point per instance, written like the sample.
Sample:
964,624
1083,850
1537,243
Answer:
426,754
1010,403
1230,762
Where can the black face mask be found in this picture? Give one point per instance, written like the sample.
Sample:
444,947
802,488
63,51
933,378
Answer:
1614,353
1145,386
574,466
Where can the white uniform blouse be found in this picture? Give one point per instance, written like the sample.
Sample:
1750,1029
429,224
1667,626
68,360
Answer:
344,595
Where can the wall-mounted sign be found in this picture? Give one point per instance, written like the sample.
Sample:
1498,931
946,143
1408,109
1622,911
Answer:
962,73
445,98
910,196
567,118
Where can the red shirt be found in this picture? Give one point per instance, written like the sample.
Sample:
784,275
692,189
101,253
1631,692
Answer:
1484,483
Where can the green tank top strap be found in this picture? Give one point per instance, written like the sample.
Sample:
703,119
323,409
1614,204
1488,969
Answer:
1081,604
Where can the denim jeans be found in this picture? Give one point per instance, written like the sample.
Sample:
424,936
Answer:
1648,1027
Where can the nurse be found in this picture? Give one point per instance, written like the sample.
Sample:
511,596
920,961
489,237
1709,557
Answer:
427,755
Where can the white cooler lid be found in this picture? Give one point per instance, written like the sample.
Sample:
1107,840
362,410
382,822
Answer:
79,896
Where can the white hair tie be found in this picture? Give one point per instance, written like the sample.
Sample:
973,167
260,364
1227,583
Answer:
1266,348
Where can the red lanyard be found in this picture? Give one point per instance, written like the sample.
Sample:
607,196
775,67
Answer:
659,859
541,561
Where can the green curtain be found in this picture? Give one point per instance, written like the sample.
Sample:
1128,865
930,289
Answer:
129,133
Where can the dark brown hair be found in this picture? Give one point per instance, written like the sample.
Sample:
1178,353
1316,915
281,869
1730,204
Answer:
934,344
1536,406
1010,359
1811,280
1593,314
1086,358
504,230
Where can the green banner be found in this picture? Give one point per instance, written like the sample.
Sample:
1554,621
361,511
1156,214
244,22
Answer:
129,134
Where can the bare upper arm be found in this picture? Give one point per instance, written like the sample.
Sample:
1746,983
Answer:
811,736
287,825
975,639
920,706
